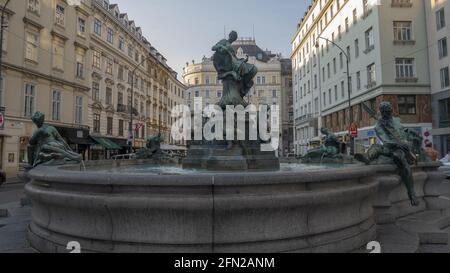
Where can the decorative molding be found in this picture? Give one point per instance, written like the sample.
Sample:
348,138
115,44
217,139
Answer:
32,23
36,75
59,35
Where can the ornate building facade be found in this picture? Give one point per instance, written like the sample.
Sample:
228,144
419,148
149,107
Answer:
74,64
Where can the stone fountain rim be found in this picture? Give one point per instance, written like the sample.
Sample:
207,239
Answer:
64,174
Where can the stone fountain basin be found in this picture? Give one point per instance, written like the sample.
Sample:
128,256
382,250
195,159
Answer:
328,210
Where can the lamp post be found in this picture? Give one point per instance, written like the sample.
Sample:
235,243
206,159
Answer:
350,112
2,27
132,101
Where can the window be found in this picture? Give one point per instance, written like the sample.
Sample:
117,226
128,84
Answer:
109,96
96,59
369,40
60,16
96,125
110,36
274,93
121,127
356,48
120,98
32,44
2,87
371,75
58,55
440,18
342,89
358,80
109,125
95,91
81,26
29,100
109,66
78,110
445,81
442,48
80,65
407,105
121,43
56,105
120,72
404,67
402,31
34,6
98,27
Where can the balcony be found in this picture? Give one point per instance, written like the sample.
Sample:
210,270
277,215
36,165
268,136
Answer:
121,108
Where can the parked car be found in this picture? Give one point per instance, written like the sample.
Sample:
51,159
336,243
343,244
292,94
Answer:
2,177
124,157
446,166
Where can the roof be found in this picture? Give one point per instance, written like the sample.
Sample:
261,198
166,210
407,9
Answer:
250,48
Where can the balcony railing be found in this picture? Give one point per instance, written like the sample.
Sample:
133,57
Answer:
121,108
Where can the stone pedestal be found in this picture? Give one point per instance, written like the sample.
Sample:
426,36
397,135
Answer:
221,156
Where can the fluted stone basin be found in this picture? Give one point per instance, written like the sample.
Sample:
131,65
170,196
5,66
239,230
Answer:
323,210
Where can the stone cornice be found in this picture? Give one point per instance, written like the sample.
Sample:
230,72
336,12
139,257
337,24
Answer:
46,77
33,23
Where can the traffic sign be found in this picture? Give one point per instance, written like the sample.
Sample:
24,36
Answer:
353,130
2,118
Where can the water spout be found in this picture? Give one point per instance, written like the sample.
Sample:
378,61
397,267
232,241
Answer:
82,166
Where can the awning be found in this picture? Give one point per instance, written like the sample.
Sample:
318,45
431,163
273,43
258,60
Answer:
106,143
81,141
121,142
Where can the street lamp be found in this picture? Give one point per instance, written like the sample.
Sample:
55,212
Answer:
132,101
352,139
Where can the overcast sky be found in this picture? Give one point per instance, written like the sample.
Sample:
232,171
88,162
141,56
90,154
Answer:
185,30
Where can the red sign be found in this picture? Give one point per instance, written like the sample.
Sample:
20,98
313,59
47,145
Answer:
2,119
353,131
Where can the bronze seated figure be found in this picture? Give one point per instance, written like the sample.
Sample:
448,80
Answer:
46,146
400,146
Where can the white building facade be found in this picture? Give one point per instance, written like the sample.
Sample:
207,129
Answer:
385,43
438,30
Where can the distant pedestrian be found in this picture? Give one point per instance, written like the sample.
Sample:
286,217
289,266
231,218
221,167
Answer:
431,152
2,177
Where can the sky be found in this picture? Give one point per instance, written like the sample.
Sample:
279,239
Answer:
185,30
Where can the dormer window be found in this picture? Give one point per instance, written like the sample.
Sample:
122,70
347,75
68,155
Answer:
106,4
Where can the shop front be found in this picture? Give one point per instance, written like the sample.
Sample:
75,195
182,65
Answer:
104,149
77,138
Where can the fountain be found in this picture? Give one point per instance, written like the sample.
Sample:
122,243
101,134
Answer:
228,196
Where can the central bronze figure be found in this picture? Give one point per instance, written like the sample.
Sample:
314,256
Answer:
235,73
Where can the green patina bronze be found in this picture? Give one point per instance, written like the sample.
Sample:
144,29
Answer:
47,147
329,152
235,73
152,149
400,146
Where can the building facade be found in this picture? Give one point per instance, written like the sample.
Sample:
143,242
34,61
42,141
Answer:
273,85
438,30
74,63
385,43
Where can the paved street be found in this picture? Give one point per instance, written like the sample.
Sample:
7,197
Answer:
14,219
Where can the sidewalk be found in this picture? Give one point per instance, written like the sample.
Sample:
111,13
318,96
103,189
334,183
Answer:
14,220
